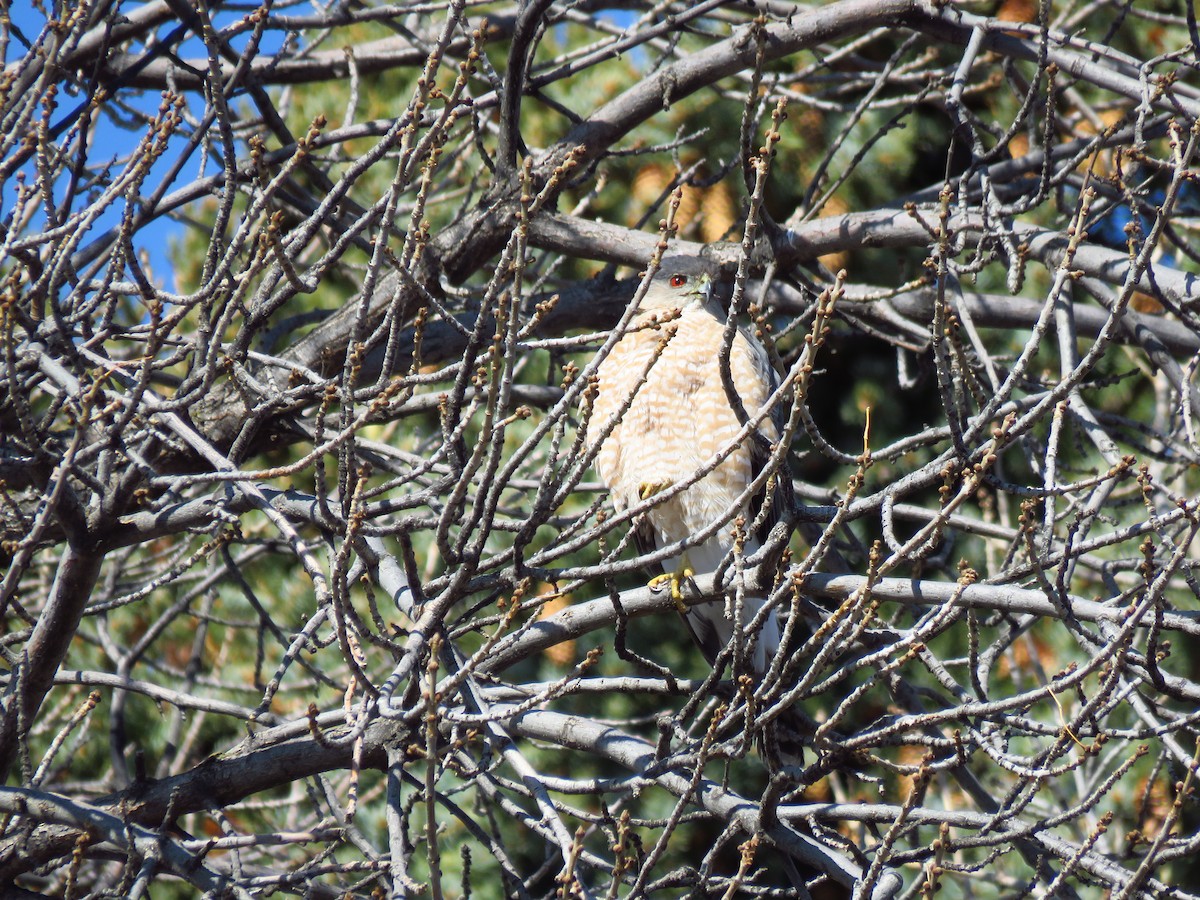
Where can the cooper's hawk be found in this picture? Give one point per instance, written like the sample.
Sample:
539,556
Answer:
674,425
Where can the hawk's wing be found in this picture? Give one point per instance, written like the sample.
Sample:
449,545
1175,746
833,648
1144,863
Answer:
779,488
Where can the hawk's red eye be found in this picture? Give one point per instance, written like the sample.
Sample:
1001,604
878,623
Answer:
678,280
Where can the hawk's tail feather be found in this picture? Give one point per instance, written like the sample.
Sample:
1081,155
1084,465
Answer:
711,624
712,630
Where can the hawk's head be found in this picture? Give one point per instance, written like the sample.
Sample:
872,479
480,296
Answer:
680,282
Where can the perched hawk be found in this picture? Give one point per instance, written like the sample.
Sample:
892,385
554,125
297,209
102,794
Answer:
677,422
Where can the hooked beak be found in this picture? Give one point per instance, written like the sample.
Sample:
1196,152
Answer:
706,287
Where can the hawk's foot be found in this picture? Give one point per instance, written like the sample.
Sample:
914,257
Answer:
675,579
648,489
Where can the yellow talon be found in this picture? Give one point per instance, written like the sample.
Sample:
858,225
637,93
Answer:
648,489
677,588
675,579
